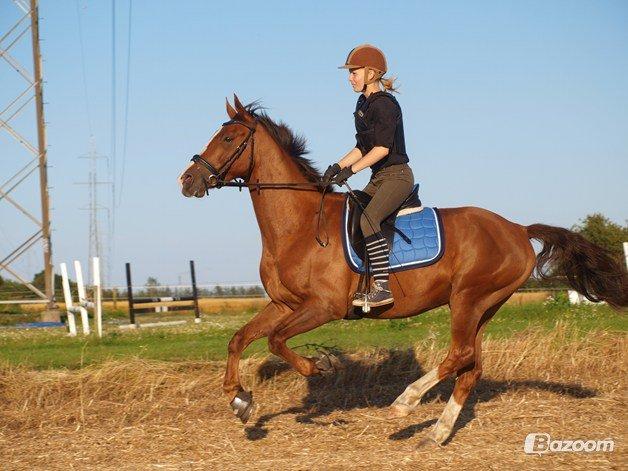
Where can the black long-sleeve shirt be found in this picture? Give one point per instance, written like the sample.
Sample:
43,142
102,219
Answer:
379,122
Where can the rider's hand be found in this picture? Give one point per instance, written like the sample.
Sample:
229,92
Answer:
343,175
330,173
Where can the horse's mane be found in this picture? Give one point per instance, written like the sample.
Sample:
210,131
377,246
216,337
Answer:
293,144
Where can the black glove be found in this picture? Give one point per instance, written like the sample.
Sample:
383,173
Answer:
343,175
330,173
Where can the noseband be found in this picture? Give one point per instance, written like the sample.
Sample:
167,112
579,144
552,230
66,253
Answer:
218,175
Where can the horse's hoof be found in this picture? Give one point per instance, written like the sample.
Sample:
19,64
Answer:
325,365
242,405
427,442
440,434
397,412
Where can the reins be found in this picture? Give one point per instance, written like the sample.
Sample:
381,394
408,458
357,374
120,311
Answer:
287,185
260,185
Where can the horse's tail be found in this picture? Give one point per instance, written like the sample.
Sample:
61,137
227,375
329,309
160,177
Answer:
590,269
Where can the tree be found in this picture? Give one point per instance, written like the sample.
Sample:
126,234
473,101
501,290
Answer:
600,230
39,283
151,286
151,282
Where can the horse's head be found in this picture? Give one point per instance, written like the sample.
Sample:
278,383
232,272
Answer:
227,155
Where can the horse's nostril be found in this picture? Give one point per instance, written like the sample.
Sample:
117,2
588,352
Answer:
187,178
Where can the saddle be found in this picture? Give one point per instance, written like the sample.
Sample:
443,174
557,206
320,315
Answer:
388,225
413,233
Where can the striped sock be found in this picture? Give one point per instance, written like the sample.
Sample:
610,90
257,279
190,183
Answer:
377,251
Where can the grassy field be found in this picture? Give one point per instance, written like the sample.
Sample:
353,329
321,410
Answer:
49,349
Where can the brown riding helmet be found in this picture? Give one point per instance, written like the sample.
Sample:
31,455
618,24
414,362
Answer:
369,57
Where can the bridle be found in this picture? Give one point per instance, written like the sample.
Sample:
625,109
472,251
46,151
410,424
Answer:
217,175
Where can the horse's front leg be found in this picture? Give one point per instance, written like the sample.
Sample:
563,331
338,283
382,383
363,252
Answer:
309,315
260,326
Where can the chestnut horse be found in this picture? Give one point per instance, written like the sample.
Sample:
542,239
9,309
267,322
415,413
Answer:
485,260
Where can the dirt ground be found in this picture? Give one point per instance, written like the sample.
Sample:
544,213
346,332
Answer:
155,415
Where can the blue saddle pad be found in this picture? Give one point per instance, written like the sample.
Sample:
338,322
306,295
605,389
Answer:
424,229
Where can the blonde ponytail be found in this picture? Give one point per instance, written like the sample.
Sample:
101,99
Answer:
388,84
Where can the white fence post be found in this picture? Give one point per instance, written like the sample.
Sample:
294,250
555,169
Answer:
574,297
82,297
626,252
97,295
67,295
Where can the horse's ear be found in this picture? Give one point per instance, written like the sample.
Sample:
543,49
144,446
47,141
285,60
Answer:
230,111
241,109
237,103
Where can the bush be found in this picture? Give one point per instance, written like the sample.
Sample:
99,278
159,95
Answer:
558,300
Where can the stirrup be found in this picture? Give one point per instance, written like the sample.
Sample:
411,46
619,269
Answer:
362,301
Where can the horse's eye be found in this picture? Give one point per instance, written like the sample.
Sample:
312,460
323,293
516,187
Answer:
228,139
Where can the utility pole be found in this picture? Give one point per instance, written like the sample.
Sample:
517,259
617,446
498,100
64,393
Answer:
43,157
93,206
38,155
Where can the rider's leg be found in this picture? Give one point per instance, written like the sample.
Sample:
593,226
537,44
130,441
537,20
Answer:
358,297
391,192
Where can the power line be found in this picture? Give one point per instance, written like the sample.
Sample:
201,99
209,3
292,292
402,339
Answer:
126,102
83,67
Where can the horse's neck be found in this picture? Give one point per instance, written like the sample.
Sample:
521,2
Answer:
280,212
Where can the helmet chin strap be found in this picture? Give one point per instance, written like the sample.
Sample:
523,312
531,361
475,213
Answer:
366,78
366,74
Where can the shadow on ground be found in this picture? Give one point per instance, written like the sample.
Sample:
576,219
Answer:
362,383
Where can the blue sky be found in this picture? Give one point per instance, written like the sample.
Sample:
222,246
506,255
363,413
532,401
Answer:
517,107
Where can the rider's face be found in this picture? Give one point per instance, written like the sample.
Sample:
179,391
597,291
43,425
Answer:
356,79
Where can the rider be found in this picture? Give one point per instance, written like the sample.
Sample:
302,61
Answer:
379,145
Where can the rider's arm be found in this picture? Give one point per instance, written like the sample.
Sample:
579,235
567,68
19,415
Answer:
352,157
375,154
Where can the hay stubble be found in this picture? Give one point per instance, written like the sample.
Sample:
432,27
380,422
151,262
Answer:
138,414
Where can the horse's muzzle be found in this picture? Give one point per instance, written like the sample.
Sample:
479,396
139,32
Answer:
190,186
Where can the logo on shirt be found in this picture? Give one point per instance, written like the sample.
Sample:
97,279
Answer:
360,114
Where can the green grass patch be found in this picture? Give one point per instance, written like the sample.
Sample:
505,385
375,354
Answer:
44,349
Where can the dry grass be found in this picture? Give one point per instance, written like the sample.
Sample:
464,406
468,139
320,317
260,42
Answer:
207,305
523,297
156,415
214,305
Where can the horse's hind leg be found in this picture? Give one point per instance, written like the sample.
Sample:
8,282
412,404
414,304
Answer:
466,379
409,400
465,320
463,359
